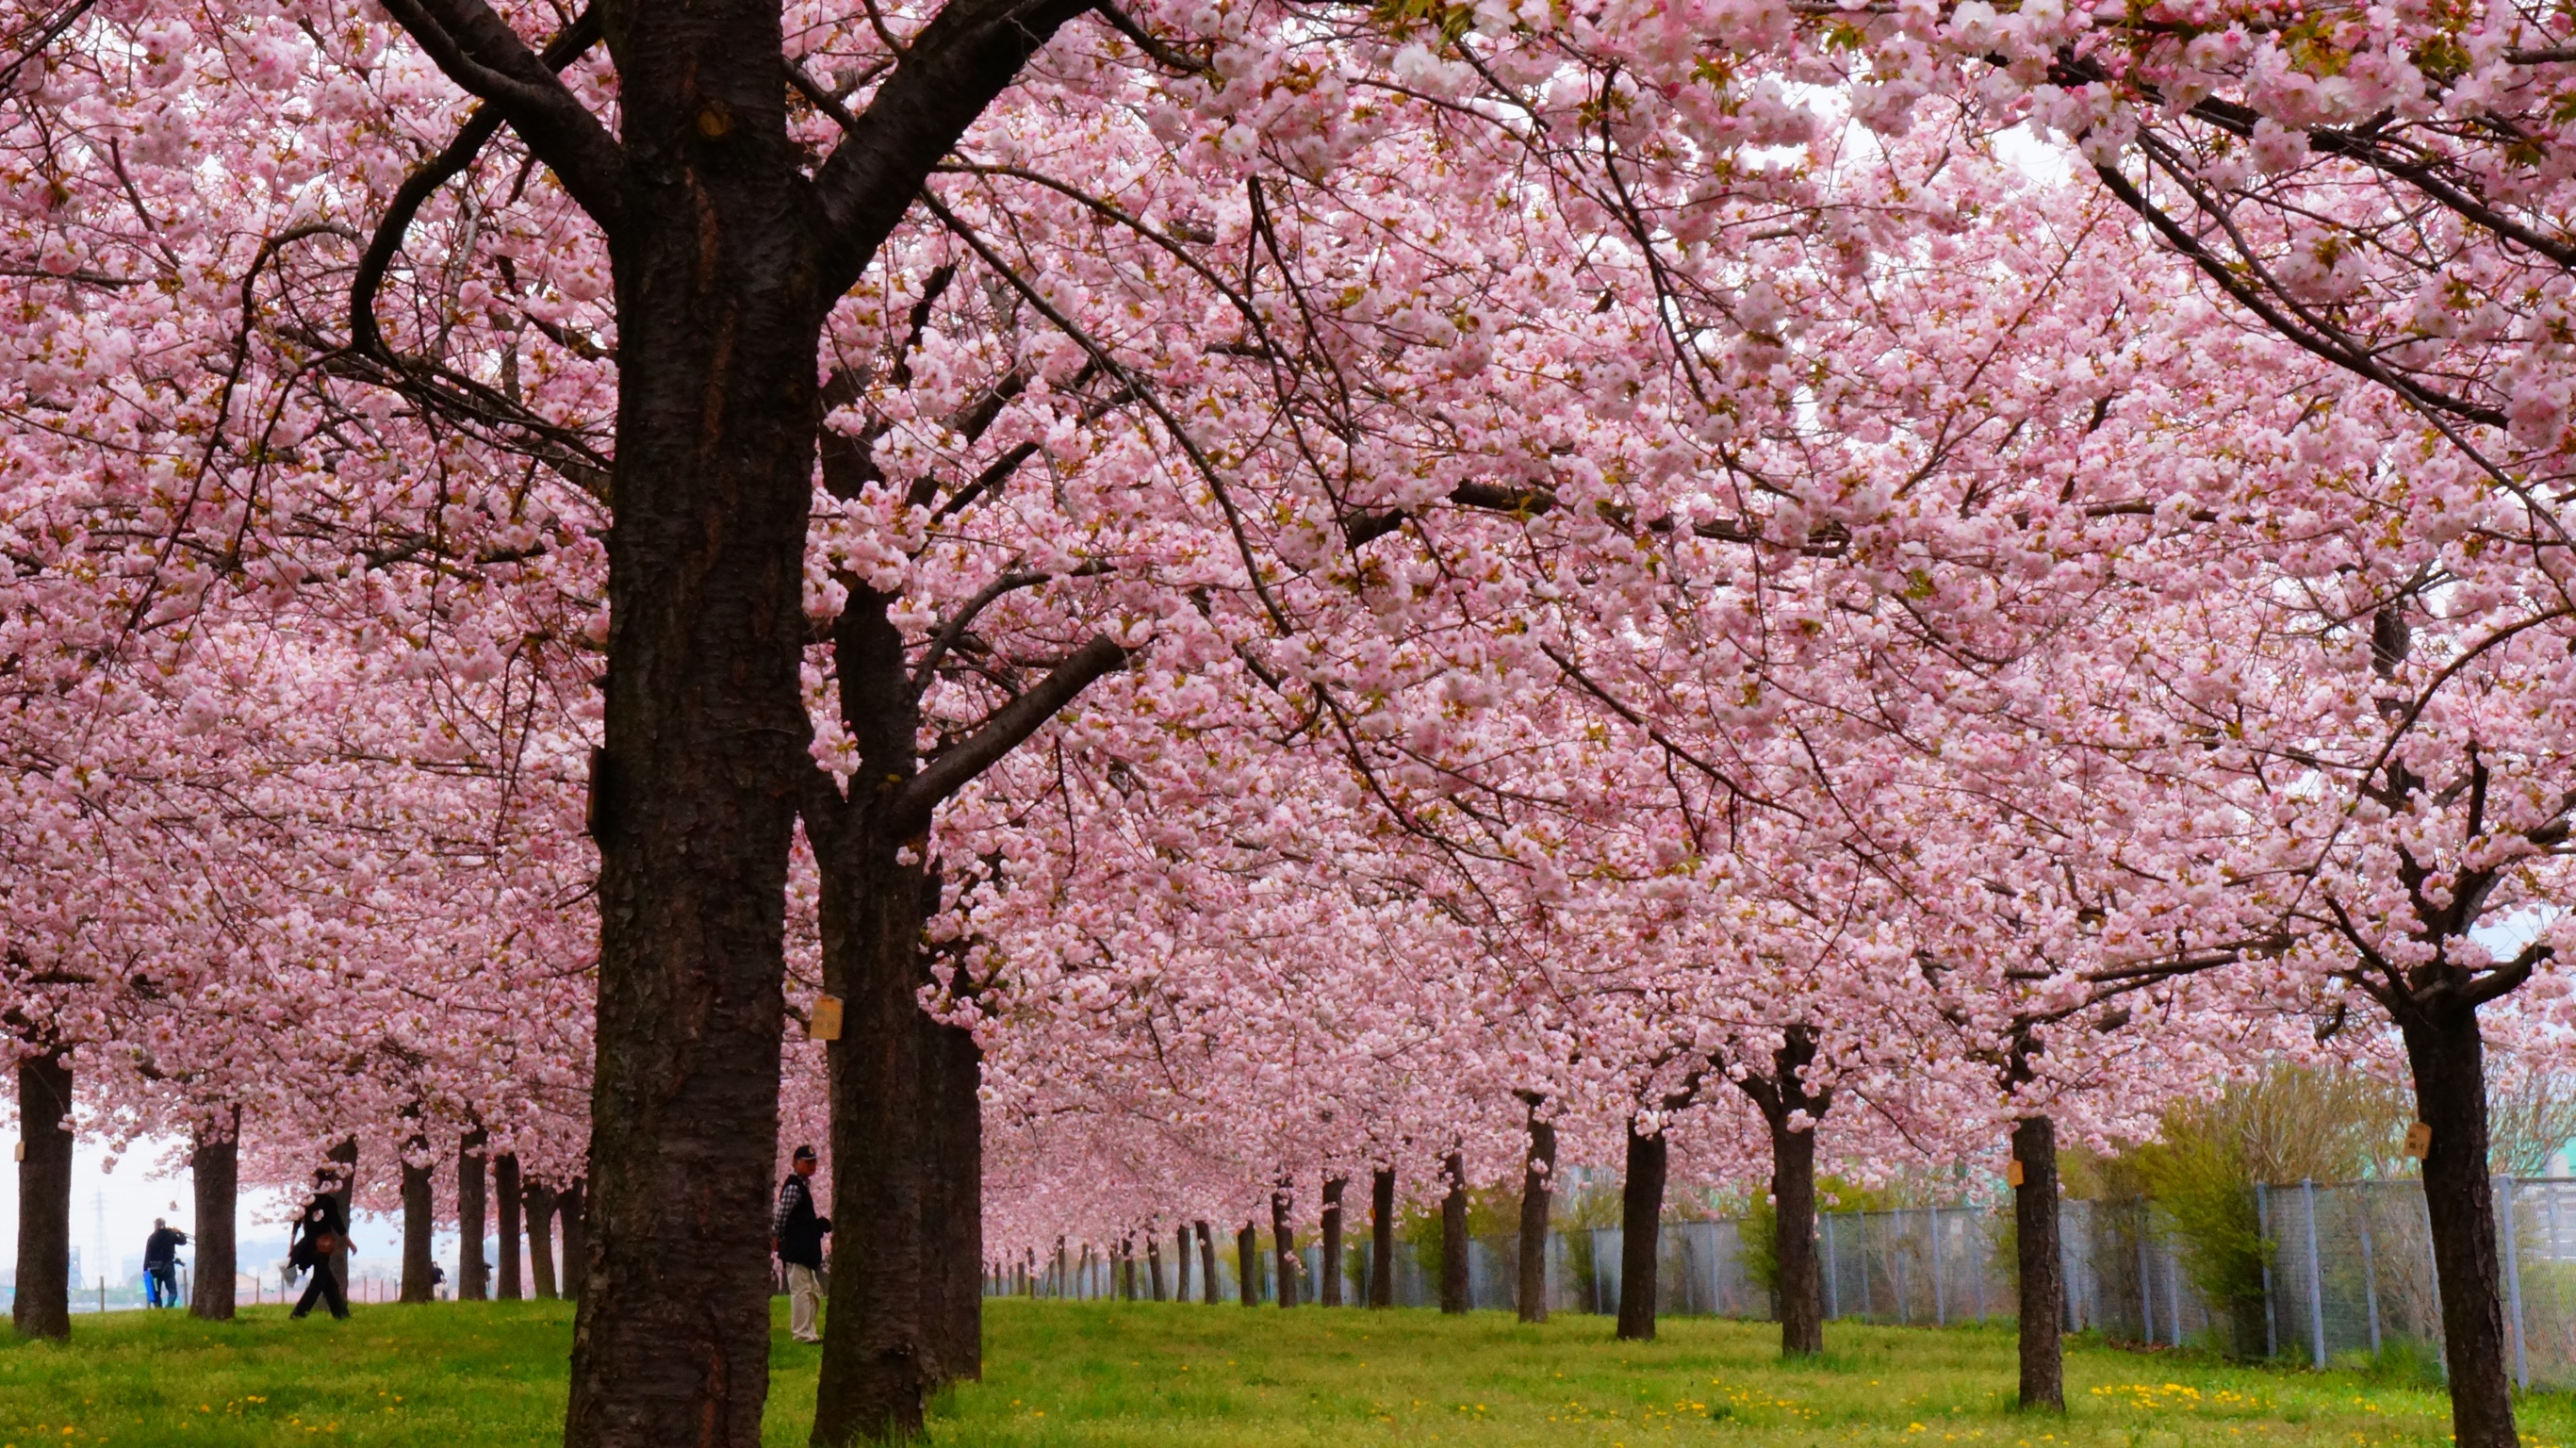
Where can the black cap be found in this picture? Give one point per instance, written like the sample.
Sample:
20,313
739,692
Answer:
803,1153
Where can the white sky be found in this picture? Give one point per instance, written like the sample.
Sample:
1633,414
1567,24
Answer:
120,1205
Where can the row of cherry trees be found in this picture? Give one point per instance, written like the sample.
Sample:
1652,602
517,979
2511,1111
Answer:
1274,602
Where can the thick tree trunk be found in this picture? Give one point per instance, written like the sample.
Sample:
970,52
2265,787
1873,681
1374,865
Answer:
1331,1285
541,1239
2448,1059
1536,1175
505,1232
956,1212
1154,1264
905,1315
42,1306
1247,1265
717,260
1181,1264
1283,1241
1641,1215
1381,1283
345,1155
2043,1292
1454,1281
1801,1282
214,1171
419,1225
1207,1264
572,1217
1791,1111
473,1274
726,257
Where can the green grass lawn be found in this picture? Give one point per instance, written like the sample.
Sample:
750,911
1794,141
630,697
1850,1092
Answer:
1102,1375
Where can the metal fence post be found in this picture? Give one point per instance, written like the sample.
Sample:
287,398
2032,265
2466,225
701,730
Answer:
2263,1229
1895,1254
2173,1289
2071,1264
2513,1283
1833,1295
2316,1280
2146,1276
1865,1309
1940,1304
2555,1250
2370,1277
1983,1247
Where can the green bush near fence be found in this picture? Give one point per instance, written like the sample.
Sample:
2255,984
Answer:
1152,1375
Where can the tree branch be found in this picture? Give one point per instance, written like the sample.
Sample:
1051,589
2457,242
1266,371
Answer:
479,51
423,183
951,72
908,812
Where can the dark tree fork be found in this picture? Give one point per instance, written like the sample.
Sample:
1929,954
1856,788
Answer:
727,256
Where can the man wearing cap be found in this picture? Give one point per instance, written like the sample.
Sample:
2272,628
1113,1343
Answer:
796,1235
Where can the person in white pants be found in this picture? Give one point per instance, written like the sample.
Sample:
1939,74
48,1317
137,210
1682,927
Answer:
796,1235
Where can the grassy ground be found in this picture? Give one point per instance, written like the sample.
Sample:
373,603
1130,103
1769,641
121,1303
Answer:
1064,1375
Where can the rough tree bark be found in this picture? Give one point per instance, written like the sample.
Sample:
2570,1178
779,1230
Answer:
1454,1295
473,1273
1207,1263
1801,1278
956,1330
1283,1241
2043,1294
43,1307
214,1171
1247,1265
2448,1058
1181,1263
901,1083
1641,1212
419,1223
345,1157
541,1239
572,1219
907,1113
1331,1285
1536,1175
1381,1283
1154,1264
726,257
1780,1096
505,1196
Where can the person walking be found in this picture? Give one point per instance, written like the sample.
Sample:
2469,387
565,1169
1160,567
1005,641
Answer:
319,1230
161,1264
796,1235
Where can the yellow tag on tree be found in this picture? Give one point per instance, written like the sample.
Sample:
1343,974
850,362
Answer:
2012,1173
824,1022
2419,1140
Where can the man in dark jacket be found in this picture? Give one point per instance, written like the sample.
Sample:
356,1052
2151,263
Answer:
161,1264
796,1235
319,1230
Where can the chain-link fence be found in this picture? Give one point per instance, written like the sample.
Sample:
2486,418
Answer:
1925,1265
2351,1271
2346,1270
